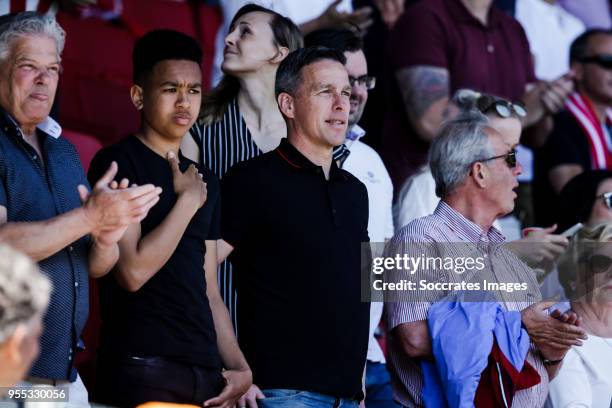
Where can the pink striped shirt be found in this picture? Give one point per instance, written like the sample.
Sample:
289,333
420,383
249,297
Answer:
454,235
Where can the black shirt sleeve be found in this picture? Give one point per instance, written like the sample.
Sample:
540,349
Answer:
235,207
213,187
567,143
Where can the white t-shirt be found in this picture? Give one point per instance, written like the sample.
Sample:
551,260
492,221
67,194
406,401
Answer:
299,11
365,164
550,30
585,379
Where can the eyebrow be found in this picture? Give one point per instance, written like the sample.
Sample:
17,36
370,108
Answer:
26,59
176,84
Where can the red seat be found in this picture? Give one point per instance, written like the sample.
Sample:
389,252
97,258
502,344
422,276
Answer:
94,87
87,146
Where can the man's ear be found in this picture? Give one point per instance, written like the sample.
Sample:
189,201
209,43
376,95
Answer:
281,54
137,96
578,70
286,104
479,174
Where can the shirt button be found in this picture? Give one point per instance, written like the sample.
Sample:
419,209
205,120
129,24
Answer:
490,48
34,157
71,248
69,358
76,284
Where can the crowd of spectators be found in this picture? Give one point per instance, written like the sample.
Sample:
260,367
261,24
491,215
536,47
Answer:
230,233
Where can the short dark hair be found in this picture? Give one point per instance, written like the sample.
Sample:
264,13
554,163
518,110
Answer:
580,45
340,39
160,45
289,73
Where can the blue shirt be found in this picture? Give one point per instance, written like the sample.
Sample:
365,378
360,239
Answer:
33,191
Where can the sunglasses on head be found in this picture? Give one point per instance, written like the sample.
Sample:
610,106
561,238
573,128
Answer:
509,157
603,60
607,199
502,107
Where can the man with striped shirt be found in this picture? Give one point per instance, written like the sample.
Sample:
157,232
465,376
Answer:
475,171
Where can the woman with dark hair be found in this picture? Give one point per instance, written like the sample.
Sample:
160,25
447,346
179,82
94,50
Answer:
239,118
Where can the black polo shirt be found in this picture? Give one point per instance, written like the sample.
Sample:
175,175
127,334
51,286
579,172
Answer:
297,240
169,316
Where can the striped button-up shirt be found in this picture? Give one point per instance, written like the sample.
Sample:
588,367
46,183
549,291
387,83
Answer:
450,235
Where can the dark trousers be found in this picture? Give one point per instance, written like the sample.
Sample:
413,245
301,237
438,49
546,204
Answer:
130,381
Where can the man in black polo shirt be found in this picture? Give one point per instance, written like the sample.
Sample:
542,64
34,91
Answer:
296,222
166,334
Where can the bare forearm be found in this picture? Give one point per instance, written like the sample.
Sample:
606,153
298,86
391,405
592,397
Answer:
425,93
312,25
40,240
102,259
155,249
415,339
232,357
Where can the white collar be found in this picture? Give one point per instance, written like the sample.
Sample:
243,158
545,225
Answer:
50,127
355,133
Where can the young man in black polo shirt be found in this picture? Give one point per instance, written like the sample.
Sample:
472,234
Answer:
296,222
166,334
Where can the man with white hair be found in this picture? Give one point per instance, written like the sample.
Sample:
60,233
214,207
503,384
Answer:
24,296
46,209
474,167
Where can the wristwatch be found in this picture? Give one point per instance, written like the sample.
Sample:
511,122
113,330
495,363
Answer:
548,362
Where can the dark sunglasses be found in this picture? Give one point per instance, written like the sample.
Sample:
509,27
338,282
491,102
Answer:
510,158
603,60
365,81
503,108
607,199
599,263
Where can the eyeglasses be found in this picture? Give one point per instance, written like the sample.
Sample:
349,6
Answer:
503,108
599,263
607,199
364,81
510,158
603,60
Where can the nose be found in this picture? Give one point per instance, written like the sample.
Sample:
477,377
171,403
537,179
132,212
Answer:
341,102
230,38
518,169
42,76
182,99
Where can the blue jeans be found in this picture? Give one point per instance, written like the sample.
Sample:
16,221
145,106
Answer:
280,398
378,387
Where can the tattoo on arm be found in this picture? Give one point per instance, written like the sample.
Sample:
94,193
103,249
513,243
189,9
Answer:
421,86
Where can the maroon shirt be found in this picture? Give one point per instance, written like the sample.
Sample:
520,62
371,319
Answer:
442,33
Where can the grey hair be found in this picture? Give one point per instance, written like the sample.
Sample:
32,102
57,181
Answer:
24,291
459,143
27,24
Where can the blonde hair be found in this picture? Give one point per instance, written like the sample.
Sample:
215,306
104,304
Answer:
24,291
581,247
